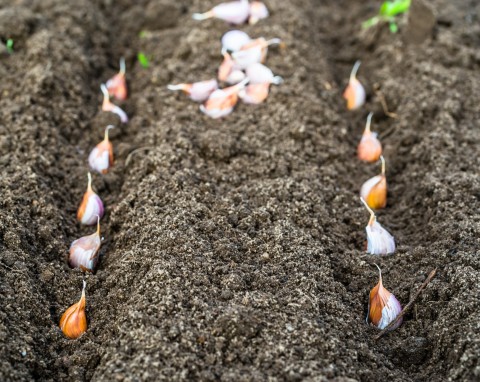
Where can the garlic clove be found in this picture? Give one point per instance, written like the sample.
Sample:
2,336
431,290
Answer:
84,251
374,190
226,67
101,157
258,11
198,91
383,306
235,77
107,105
355,92
253,52
91,206
254,93
73,322
234,12
222,101
234,40
369,149
259,73
117,85
379,240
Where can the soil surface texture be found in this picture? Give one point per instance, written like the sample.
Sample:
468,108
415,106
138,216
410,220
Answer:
234,249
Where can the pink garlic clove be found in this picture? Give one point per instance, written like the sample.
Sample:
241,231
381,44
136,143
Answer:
258,11
117,85
255,93
101,157
222,101
107,105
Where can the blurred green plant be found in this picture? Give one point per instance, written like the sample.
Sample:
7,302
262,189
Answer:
143,60
387,12
9,45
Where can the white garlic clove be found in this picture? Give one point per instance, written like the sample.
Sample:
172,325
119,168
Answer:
234,12
234,40
379,240
235,77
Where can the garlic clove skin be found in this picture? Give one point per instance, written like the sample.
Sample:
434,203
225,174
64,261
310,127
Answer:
84,251
107,105
233,12
379,240
383,306
91,206
355,92
198,91
117,85
258,11
101,157
254,93
222,101
73,322
374,192
234,40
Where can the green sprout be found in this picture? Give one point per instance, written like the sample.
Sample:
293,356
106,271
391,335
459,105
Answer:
9,46
143,60
387,12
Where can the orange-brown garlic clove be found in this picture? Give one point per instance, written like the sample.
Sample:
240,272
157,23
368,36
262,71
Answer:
369,149
355,92
222,101
374,190
383,306
91,206
73,322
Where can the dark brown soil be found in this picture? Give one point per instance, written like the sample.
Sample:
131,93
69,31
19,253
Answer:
233,249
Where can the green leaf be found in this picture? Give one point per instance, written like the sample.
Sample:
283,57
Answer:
393,27
9,46
143,60
394,8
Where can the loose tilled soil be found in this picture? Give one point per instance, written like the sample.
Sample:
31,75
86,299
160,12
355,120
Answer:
234,248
